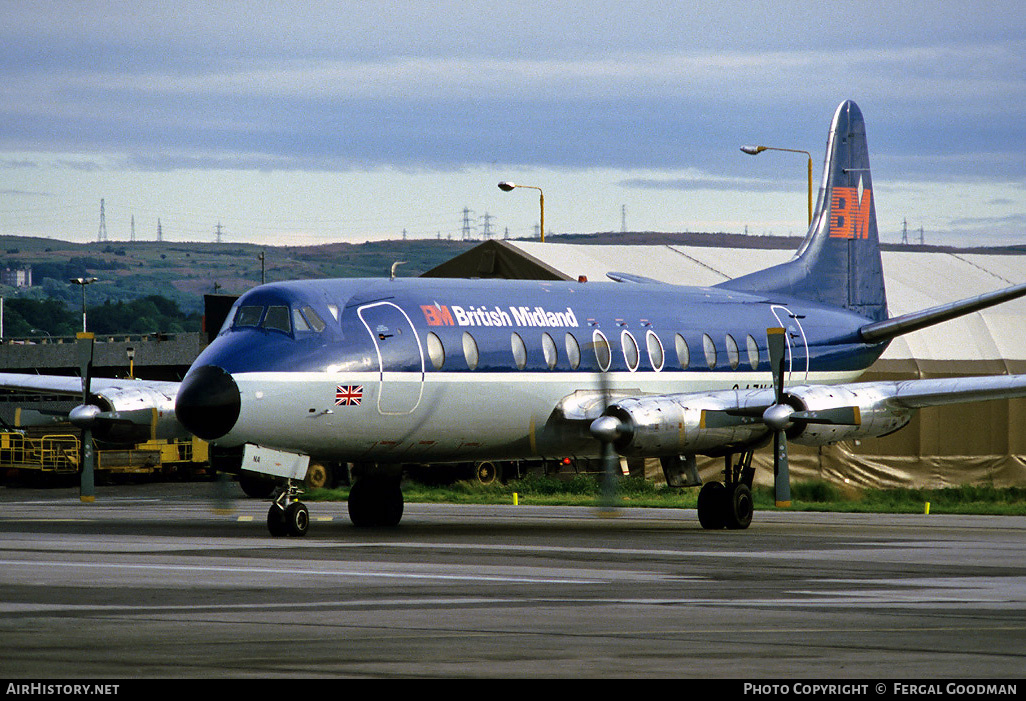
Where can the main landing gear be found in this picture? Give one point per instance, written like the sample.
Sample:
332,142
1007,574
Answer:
376,501
728,504
288,515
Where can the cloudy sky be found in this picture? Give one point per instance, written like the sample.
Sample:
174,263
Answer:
315,122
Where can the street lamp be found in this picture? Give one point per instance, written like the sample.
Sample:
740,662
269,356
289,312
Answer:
754,150
506,186
82,282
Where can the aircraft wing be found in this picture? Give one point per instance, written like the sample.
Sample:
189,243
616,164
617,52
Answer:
72,385
731,420
118,411
915,394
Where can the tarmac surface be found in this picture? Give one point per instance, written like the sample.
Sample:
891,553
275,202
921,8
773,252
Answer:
150,582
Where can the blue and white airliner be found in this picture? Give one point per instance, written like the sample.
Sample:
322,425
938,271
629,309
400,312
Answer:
393,371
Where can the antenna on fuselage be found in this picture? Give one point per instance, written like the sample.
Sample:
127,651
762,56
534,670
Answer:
394,266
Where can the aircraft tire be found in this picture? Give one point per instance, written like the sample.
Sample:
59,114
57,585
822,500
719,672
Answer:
297,519
712,504
738,507
257,486
375,502
391,505
276,521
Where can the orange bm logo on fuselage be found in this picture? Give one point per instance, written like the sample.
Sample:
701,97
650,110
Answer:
437,315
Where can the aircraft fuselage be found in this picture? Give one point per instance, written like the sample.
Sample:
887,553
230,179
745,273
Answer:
436,370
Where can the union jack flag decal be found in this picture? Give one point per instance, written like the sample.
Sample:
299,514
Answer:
348,395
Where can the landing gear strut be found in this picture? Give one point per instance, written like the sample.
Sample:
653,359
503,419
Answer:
287,515
728,504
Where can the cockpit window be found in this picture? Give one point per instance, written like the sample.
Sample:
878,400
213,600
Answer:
247,316
316,323
277,318
298,322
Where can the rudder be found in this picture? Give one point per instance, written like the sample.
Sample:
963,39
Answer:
839,261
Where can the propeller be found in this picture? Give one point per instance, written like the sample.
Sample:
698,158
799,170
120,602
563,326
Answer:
607,429
84,416
778,417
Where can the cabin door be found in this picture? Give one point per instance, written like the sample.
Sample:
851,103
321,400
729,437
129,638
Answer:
400,357
797,368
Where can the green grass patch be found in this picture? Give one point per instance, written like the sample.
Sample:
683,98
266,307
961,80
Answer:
586,490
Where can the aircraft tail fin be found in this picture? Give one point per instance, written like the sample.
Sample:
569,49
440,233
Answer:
839,261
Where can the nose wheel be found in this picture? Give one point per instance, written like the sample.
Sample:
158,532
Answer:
288,516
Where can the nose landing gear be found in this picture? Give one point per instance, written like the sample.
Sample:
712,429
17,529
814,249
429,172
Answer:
288,515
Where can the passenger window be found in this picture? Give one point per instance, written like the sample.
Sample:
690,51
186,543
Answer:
710,351
277,318
655,350
470,350
248,316
753,353
436,352
631,355
519,350
683,353
316,323
603,356
573,351
549,350
733,356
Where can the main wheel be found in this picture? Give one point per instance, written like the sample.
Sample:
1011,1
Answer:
711,503
739,508
297,519
375,502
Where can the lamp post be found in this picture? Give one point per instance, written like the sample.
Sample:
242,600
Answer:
755,150
82,282
507,186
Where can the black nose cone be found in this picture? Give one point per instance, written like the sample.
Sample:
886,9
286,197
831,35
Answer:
208,402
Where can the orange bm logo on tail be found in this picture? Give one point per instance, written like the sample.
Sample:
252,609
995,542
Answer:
849,216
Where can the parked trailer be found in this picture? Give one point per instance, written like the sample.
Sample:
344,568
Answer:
43,456
50,457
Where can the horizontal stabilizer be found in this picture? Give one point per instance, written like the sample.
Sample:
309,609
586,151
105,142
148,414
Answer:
889,328
631,277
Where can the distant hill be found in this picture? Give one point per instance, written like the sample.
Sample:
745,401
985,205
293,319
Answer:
184,271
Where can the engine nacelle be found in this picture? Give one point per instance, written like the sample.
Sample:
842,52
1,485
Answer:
732,420
877,416
136,414
687,423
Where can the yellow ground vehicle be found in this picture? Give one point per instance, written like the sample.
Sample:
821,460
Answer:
47,457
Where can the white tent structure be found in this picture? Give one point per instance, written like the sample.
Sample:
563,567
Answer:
980,443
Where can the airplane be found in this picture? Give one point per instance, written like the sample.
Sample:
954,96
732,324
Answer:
392,371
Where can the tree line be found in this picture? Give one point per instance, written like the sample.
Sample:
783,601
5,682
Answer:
145,315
